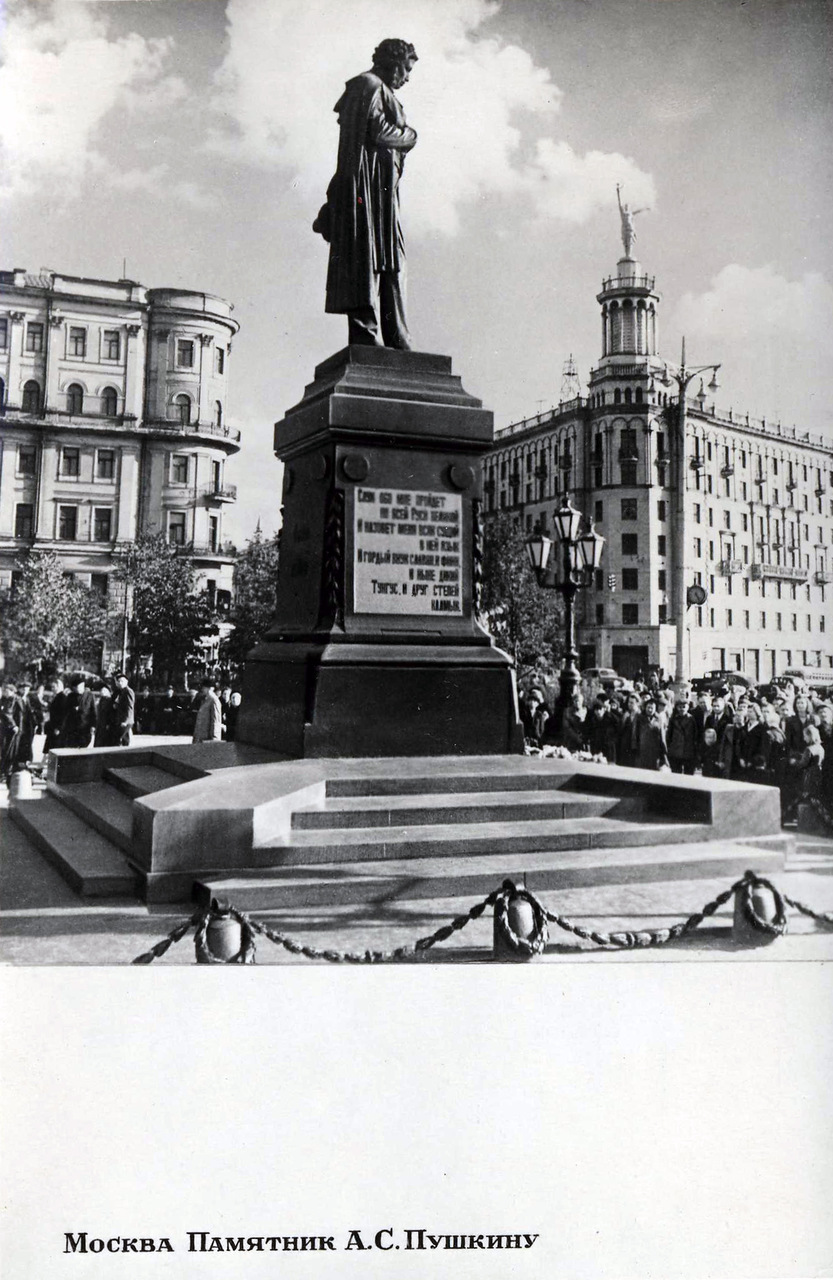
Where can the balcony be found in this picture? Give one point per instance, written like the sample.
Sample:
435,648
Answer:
63,417
731,566
566,462
727,471
786,573
219,492
191,428
823,576
217,550
696,463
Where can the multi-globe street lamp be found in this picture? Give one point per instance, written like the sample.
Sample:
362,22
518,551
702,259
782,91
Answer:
581,555
681,375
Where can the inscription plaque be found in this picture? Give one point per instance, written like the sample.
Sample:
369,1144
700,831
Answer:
408,552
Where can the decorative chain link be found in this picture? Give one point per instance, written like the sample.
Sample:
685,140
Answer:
199,918
499,899
823,917
645,937
368,957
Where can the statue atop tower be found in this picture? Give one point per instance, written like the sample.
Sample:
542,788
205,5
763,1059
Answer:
627,215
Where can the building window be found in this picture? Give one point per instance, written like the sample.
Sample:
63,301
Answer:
809,622
598,478
663,613
68,523
661,510
75,398
711,618
182,404
26,461
31,397
697,513
220,357
743,490
778,622
102,524
600,615
629,509
746,618
728,617
630,544
185,354
627,473
711,550
630,614
34,337
763,620
727,519
71,463
111,344
218,414
213,532
105,464
698,548
179,468
662,579
24,520
4,334
176,528
711,518
709,486
662,544
598,512
100,585
600,580
77,341
109,402
794,621
630,579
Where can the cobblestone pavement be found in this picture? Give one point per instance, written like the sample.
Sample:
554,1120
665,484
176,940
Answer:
43,922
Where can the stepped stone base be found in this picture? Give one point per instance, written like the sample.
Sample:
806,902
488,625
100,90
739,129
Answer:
225,822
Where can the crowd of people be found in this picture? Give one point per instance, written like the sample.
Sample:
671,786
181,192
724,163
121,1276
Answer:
735,733
71,714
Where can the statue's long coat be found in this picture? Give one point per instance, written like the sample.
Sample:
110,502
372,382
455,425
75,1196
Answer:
361,217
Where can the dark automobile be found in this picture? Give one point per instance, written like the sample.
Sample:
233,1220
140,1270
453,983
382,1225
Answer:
714,680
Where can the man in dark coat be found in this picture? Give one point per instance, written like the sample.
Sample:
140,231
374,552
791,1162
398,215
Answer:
360,220
652,750
79,715
55,715
681,736
11,718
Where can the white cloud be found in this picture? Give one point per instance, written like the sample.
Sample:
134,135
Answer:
61,77
773,336
157,181
477,103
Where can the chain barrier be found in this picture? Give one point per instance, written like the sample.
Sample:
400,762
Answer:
504,901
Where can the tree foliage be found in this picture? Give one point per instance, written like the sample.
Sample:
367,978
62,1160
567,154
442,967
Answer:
255,590
49,620
524,619
168,614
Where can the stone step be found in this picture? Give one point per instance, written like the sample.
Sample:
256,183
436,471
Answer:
141,780
456,781
101,806
456,807
89,862
351,844
400,880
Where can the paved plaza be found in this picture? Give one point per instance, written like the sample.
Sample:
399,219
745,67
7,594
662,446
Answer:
43,921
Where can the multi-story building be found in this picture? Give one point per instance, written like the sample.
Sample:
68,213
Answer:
113,422
754,522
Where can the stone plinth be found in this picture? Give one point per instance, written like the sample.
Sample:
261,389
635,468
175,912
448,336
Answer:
376,648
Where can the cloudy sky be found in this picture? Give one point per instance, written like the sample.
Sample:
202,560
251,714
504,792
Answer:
195,138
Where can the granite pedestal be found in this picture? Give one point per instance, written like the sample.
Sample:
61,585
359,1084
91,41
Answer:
376,648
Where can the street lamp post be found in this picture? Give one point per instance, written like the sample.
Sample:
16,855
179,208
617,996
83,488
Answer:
682,376
581,554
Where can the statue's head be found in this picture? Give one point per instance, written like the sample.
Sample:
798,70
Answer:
393,60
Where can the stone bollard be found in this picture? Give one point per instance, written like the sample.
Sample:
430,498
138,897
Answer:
521,919
20,786
766,906
224,936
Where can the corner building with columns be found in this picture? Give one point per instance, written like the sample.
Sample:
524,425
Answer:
755,514
113,423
